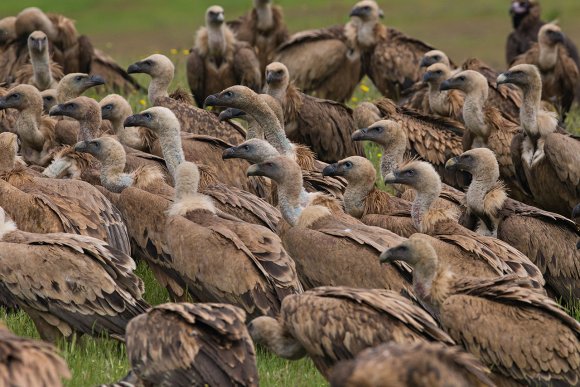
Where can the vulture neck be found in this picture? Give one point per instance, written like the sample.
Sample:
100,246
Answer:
473,114
290,193
280,342
438,100
113,177
254,129
265,16
27,125
366,32
431,281
393,154
548,57
7,161
158,87
65,93
170,141
273,131
481,185
422,204
41,70
530,107
90,128
216,40
356,193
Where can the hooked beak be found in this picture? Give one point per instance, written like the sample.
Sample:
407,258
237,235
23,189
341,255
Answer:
446,85
428,76
134,120
81,146
3,104
57,110
254,170
387,256
134,68
211,100
360,135
358,11
452,164
556,37
427,61
331,170
503,78
95,80
391,178
230,153
231,113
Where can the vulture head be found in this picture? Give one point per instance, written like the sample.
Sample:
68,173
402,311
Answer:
115,108
74,84
7,29
254,150
156,66
281,169
419,175
9,145
436,74
239,97
434,56
468,81
81,109
355,169
384,132
158,119
522,75
214,16
33,19
48,99
550,35
277,76
230,114
37,44
103,148
479,162
520,9
416,251
367,11
22,97
269,332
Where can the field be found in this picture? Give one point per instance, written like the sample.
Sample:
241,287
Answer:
130,30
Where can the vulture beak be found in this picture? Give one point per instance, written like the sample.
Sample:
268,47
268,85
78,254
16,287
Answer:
393,178
231,113
428,76
358,11
360,135
255,170
503,78
95,80
36,45
447,85
211,100
427,61
135,68
81,146
389,255
3,103
134,120
332,170
217,17
556,37
231,153
452,164
57,110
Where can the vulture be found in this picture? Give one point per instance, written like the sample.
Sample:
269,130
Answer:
442,103
113,177
467,251
44,205
191,119
263,28
323,125
35,130
560,73
174,145
27,362
546,238
218,60
48,100
69,283
428,141
42,73
539,344
487,126
546,162
331,324
73,52
255,272
350,248
186,344
422,364
7,30
526,22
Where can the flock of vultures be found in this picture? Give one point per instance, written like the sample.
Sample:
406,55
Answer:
272,231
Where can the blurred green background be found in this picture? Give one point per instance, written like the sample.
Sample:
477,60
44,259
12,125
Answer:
130,29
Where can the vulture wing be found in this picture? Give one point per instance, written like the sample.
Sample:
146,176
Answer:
195,68
247,66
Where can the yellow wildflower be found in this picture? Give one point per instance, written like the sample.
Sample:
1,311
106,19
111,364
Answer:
185,52
364,88
379,155
354,99
173,51
142,102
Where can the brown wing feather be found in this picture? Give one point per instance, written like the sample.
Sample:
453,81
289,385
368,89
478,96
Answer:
247,68
116,78
195,68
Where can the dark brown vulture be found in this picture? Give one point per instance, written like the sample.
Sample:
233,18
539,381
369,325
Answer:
218,61
264,28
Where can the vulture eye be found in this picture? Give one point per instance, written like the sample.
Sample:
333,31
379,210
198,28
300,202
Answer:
14,96
246,147
439,72
366,8
69,106
147,62
410,172
147,115
437,57
348,164
97,144
78,78
461,78
228,94
48,98
108,107
403,248
269,164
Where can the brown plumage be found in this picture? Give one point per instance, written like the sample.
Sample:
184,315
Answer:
487,126
467,253
326,322
48,99
443,103
26,362
35,131
194,225
546,161
349,246
191,119
539,342
263,28
545,237
421,364
7,30
218,60
42,73
192,344
560,73
61,206
325,126
69,283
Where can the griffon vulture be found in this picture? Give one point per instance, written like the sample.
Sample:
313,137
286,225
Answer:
263,28
191,119
546,161
325,126
545,237
422,364
539,343
325,323
192,344
69,283
218,60
560,73
42,73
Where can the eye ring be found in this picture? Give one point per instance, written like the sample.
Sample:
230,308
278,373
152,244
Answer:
246,147
348,164
228,94
78,78
147,115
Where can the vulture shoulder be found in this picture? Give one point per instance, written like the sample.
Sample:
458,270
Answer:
388,212
27,362
26,74
563,152
247,69
183,344
71,283
543,344
195,68
422,363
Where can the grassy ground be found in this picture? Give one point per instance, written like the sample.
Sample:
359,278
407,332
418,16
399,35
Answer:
130,30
